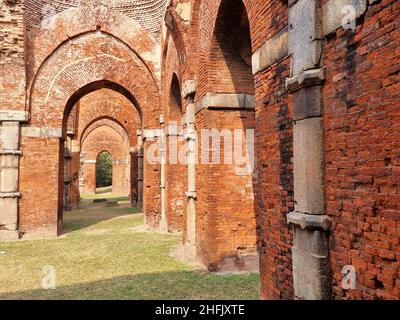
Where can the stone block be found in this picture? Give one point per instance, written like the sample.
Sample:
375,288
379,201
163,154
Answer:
6,235
226,101
334,13
307,103
9,213
9,180
188,88
311,271
271,51
13,115
304,35
10,135
308,164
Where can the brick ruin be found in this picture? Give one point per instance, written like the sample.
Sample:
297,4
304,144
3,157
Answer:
315,81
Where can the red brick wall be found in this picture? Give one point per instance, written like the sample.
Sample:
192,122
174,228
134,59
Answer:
361,101
225,216
40,202
12,63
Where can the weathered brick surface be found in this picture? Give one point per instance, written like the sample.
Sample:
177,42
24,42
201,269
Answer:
211,42
361,101
12,64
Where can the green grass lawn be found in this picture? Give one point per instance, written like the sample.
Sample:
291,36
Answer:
104,254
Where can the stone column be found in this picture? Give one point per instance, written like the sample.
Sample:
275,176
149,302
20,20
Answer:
311,273
9,180
190,245
67,173
163,143
189,92
140,169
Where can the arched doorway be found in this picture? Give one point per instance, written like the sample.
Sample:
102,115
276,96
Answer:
97,136
104,171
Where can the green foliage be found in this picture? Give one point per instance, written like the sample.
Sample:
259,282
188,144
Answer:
104,170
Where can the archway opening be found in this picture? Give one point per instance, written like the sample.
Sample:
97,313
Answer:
104,172
101,147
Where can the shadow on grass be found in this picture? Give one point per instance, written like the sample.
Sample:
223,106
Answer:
82,219
183,285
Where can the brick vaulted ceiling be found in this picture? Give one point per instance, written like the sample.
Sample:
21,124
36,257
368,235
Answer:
149,13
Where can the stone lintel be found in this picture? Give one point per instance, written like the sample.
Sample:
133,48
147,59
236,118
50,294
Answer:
191,195
10,153
188,88
5,195
173,130
229,101
306,79
309,221
37,132
271,51
151,133
120,162
14,115
90,162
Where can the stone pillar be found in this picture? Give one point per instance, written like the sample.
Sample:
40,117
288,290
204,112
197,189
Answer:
191,245
75,174
310,254
163,143
9,177
67,173
140,169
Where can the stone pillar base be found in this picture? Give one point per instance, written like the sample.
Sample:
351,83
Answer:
310,254
190,252
163,226
6,235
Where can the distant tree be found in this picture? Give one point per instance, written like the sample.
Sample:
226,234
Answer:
104,170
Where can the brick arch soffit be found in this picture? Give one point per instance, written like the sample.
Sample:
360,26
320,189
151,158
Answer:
121,134
213,18
105,21
100,116
66,40
169,93
94,86
104,121
177,38
37,75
